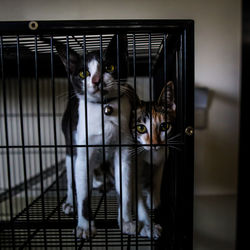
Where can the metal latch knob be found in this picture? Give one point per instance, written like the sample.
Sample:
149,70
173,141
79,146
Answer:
189,131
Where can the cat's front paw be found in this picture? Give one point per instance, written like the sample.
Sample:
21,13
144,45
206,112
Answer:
82,233
156,232
129,227
67,208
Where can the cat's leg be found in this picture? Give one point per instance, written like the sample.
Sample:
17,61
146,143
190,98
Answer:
157,180
67,207
85,228
97,183
145,220
125,185
147,230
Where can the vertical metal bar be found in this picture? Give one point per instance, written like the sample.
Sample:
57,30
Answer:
165,58
49,128
136,156
28,128
177,66
119,131
3,179
103,146
70,90
244,124
165,82
181,101
87,139
180,87
189,140
151,151
15,175
55,139
180,95
7,140
5,213
33,141
39,141
166,114
22,135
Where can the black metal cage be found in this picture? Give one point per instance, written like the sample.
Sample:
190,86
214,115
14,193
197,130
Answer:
34,90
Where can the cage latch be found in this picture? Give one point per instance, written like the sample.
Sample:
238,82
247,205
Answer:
189,131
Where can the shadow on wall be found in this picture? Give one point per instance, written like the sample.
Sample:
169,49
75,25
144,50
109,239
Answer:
216,142
203,101
202,97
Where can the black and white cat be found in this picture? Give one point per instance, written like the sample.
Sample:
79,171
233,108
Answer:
96,82
157,118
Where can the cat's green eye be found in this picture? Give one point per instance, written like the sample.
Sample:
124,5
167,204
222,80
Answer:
110,68
164,126
141,129
81,74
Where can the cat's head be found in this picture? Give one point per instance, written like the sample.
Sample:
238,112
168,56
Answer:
97,78
163,116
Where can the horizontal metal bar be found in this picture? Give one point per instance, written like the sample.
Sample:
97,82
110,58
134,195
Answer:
10,115
93,26
90,145
63,224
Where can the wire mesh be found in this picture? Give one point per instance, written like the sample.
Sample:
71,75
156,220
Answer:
34,92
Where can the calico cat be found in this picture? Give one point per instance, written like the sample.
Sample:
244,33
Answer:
163,116
98,83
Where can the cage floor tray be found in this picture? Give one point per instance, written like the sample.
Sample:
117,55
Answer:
36,227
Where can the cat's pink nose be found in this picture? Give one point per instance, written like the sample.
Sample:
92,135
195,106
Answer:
96,80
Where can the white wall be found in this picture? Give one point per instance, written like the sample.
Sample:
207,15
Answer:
217,66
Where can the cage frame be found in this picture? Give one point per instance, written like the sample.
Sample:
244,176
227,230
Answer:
184,234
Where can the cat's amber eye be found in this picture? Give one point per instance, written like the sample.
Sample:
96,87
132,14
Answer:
164,126
141,129
81,74
110,68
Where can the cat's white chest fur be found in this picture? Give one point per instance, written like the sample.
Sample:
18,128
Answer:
94,121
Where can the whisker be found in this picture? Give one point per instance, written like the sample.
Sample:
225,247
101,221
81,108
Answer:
67,98
174,137
62,94
65,95
134,152
174,147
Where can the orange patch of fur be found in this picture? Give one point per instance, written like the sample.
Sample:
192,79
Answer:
157,118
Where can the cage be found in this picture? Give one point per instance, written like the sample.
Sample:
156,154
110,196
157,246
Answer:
35,89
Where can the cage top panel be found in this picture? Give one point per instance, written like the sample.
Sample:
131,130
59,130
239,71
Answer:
142,47
139,43
76,29
93,26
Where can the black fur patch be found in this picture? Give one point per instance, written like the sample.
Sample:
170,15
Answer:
86,210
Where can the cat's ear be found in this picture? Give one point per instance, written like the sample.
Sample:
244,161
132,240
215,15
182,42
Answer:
167,96
73,59
123,46
139,104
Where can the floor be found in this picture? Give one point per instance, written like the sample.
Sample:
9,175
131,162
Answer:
214,222
214,225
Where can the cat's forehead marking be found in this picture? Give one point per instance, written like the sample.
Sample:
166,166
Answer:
93,66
